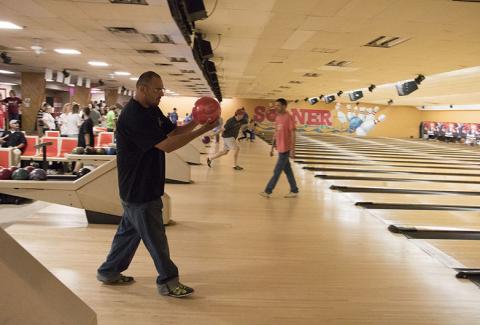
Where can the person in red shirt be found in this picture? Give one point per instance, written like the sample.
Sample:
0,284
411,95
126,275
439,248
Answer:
284,138
13,106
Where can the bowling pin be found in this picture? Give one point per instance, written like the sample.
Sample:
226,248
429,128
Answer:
361,114
349,112
368,125
341,117
370,116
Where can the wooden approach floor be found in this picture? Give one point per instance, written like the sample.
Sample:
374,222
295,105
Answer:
316,259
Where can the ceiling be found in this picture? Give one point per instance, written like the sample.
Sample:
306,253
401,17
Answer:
262,46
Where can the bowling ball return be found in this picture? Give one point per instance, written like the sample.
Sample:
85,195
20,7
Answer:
96,193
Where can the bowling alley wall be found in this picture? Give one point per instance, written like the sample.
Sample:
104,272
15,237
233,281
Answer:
397,121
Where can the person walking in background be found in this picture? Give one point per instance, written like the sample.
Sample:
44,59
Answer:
13,106
174,116
85,134
284,138
111,119
229,135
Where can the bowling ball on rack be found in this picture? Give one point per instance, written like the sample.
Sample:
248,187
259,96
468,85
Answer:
5,173
206,109
110,151
13,168
78,151
20,174
38,174
29,169
206,139
100,151
83,171
35,165
89,151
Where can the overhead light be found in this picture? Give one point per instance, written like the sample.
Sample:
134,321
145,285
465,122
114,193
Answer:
9,25
6,72
8,84
371,87
68,51
98,63
134,78
122,73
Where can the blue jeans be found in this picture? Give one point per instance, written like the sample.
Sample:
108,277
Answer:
283,164
140,221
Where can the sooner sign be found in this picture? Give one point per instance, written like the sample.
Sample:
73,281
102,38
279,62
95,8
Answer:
301,116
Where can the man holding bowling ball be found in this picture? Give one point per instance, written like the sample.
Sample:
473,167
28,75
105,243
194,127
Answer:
143,136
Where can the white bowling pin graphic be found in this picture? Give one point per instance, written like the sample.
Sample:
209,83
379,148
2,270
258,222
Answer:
360,132
370,115
368,125
341,117
349,112
361,114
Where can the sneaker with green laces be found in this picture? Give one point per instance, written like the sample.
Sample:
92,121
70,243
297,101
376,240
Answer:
178,291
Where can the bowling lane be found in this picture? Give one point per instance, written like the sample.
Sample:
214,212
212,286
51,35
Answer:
398,177
425,186
367,163
465,252
442,162
392,169
408,199
438,219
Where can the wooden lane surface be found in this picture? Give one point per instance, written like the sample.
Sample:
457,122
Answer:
403,177
465,252
312,260
379,146
438,219
392,169
407,185
394,153
347,158
453,200
435,165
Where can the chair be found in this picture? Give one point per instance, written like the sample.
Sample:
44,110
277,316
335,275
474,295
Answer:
104,139
6,157
52,133
67,145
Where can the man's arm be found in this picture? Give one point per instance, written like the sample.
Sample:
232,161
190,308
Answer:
273,143
182,129
294,137
174,142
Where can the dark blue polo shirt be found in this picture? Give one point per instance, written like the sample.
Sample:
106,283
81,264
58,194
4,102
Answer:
141,166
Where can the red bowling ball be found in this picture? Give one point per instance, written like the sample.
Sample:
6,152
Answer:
5,173
206,110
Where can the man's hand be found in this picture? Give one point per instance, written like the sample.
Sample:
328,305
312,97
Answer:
292,153
271,153
209,126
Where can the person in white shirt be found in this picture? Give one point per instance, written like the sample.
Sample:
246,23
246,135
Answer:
73,122
48,120
62,119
